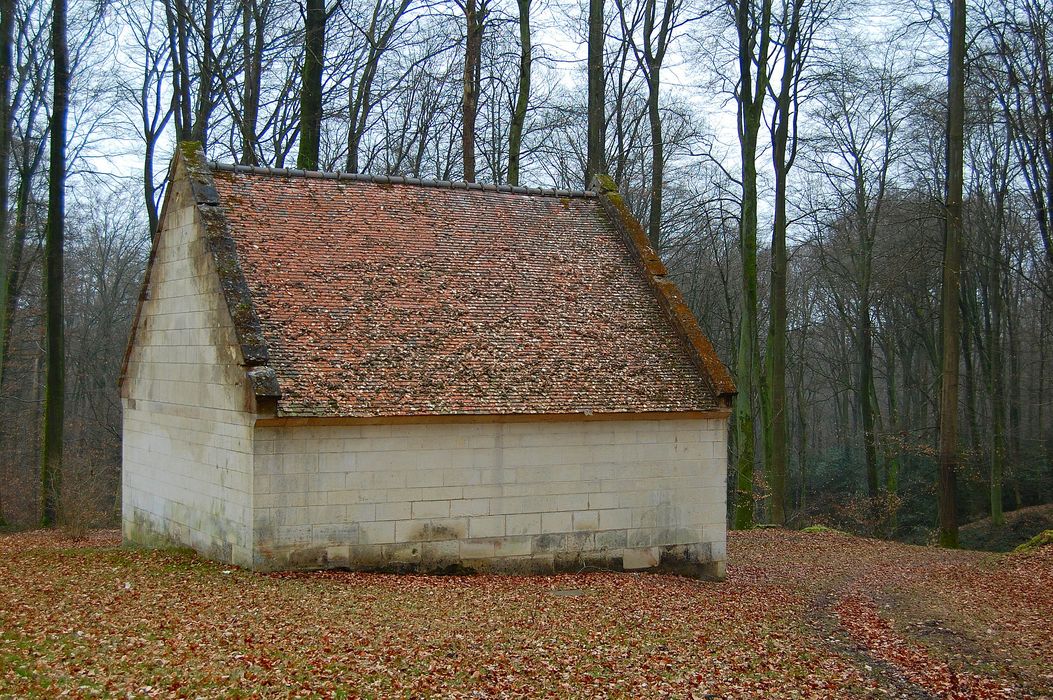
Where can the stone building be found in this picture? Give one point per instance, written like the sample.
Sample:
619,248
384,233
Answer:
381,373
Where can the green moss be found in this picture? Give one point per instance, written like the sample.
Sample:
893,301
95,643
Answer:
604,183
190,150
1042,539
816,529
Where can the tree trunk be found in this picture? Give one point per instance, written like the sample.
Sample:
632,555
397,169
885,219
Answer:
654,213
866,365
7,40
777,327
203,107
473,15
596,159
54,390
253,43
996,375
891,444
311,87
7,43
176,18
753,34
951,272
12,281
515,133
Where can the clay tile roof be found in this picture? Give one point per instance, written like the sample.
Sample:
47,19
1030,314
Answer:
384,296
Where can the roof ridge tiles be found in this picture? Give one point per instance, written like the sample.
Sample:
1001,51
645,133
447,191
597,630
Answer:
398,180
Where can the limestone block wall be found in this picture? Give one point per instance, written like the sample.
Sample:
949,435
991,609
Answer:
530,497
187,473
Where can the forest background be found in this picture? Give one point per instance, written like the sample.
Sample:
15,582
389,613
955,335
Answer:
789,160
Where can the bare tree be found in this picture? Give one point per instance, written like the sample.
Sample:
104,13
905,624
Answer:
315,19
515,132
752,20
55,384
596,160
950,314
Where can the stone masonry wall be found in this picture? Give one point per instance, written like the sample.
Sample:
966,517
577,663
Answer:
187,474
519,497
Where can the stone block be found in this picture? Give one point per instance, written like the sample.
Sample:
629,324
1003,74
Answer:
586,520
382,532
573,501
428,530
441,493
644,558
470,507
440,553
601,501
360,512
476,549
327,481
403,552
430,509
399,510
513,546
556,522
293,535
615,519
523,524
337,534
486,526
610,539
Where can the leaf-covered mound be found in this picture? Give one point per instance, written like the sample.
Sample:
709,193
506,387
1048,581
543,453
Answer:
799,616
1042,539
1020,526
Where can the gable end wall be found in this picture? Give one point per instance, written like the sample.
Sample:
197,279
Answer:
188,414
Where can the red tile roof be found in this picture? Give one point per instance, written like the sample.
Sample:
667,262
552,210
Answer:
410,299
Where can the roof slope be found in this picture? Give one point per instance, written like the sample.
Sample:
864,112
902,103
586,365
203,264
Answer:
396,299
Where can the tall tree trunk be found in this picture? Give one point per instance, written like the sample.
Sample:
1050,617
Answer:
311,87
515,132
176,16
12,281
203,107
866,363
253,28
951,274
7,42
891,443
473,16
1014,450
654,117
753,33
596,158
54,390
7,39
996,388
782,161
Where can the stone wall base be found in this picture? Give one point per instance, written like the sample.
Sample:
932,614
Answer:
526,555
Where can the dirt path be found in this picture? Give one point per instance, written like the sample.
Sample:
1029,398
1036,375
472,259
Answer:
923,623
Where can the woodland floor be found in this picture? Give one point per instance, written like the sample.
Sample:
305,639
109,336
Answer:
801,616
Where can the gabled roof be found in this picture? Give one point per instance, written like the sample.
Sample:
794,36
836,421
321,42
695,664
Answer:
358,296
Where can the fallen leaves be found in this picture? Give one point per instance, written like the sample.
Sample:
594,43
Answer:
95,620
